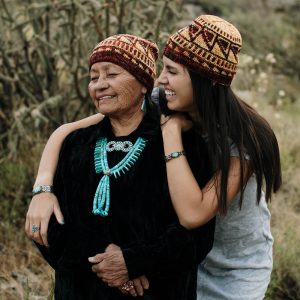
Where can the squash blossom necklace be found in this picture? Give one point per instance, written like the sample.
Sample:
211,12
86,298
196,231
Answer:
102,196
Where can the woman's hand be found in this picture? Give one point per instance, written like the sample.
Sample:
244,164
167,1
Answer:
110,266
177,121
41,207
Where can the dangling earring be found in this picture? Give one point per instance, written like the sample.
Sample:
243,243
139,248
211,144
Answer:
144,106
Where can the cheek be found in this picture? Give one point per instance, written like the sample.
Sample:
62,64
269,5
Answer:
190,94
91,89
127,88
129,91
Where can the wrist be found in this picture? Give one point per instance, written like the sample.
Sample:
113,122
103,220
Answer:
173,155
171,130
44,179
42,189
172,141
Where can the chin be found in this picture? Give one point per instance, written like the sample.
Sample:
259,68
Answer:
175,107
172,106
106,113
105,110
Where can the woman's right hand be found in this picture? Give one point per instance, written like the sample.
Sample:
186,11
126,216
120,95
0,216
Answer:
176,122
41,207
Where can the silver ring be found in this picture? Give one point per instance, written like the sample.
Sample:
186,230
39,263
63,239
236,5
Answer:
35,228
127,286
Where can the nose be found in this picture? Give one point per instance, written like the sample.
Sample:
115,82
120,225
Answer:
101,84
162,78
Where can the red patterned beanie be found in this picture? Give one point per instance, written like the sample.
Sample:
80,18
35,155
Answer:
134,54
208,46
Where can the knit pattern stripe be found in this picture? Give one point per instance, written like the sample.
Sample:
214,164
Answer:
136,55
208,46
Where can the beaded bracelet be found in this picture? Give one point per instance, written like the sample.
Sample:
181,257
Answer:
174,155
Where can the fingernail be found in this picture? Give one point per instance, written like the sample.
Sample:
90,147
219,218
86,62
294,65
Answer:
62,222
91,259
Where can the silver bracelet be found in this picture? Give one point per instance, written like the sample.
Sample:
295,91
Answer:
174,155
42,189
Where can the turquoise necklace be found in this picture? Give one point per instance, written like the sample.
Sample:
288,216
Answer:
102,195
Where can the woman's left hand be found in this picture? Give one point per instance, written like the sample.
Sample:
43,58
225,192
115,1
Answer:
177,121
110,266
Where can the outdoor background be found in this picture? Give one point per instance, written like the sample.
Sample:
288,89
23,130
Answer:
44,50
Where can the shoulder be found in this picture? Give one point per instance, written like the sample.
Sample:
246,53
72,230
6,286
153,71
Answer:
83,135
235,152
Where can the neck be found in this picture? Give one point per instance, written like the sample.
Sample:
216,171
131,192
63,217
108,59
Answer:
124,125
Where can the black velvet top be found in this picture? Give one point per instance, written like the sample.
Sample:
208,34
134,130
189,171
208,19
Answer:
141,218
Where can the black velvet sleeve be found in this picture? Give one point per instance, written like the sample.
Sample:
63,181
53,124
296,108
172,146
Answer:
176,250
58,235
63,239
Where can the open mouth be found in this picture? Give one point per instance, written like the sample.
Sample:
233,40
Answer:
170,93
105,98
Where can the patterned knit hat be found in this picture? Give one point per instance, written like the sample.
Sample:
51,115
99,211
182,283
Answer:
134,54
208,46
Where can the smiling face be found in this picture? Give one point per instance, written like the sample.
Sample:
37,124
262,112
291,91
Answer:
115,92
178,86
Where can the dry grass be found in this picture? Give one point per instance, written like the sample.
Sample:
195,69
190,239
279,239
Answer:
24,274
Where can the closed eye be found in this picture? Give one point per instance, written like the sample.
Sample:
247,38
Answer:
171,70
112,74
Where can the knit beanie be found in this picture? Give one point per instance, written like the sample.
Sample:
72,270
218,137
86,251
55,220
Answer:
134,54
208,46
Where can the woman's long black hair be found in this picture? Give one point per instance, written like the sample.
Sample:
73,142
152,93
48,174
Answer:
225,118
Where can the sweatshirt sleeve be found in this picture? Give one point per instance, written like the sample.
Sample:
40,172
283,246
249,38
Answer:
176,250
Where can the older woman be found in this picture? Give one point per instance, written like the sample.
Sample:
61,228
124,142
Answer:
112,189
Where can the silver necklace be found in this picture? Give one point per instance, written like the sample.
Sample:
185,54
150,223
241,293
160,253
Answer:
119,146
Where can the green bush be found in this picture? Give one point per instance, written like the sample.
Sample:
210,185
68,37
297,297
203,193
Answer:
14,184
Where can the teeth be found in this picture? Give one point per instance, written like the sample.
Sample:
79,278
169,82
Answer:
105,97
170,93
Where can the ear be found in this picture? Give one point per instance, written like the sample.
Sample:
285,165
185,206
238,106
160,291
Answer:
144,90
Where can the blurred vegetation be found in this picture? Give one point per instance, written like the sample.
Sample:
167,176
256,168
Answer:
44,50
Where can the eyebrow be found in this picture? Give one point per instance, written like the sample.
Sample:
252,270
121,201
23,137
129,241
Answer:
93,70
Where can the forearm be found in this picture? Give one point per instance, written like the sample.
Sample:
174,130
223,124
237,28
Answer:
186,194
50,155
51,151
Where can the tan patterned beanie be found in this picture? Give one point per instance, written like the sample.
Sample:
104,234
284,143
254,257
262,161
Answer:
134,54
208,46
